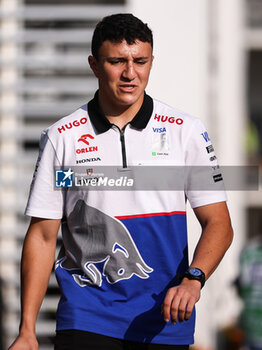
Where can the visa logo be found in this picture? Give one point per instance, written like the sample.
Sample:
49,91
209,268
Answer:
205,136
160,130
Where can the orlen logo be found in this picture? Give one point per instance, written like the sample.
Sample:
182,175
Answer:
162,118
70,125
84,139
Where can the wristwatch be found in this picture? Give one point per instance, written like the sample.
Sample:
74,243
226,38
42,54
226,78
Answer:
193,273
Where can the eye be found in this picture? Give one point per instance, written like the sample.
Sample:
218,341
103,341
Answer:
141,61
114,62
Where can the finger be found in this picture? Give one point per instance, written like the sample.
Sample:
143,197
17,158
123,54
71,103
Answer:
182,307
189,308
166,307
174,308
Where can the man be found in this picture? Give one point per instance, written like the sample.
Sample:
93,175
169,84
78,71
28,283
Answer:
123,269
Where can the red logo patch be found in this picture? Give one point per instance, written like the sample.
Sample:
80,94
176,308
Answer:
84,138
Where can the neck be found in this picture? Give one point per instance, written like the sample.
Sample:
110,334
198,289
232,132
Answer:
120,115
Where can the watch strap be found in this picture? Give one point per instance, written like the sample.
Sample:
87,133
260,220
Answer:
193,273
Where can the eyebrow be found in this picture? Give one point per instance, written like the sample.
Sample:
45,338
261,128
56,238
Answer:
124,58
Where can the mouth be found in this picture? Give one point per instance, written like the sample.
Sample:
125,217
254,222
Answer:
128,87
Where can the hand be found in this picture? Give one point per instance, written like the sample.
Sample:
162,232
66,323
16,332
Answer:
180,301
24,342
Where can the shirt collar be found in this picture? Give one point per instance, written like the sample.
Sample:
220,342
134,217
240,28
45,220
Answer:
102,124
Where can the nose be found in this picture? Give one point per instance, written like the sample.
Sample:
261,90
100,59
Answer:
129,71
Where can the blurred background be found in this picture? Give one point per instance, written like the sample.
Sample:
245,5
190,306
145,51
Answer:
208,62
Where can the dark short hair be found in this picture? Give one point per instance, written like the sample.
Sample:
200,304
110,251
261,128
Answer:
119,27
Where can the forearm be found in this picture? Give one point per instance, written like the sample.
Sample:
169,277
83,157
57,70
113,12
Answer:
215,240
37,262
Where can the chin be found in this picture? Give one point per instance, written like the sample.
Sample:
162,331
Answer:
128,100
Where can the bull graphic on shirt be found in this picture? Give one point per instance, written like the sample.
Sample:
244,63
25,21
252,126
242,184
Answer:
95,237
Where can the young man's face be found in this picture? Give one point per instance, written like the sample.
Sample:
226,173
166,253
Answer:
122,71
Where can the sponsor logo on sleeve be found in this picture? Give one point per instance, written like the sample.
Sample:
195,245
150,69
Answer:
210,149
218,177
205,136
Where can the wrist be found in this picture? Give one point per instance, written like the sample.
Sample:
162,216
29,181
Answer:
192,283
195,274
27,327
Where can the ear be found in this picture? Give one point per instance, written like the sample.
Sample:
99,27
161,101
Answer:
93,65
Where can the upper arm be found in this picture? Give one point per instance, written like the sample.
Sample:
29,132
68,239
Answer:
215,214
212,212
44,229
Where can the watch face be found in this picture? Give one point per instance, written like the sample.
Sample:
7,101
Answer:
195,272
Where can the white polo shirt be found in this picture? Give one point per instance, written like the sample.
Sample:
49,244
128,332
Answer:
123,247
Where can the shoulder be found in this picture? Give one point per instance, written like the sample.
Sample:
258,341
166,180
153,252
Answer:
73,120
164,109
185,128
169,115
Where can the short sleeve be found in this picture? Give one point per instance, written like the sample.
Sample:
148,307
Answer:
44,200
204,184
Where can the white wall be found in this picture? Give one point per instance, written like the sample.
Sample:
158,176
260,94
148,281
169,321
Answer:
179,71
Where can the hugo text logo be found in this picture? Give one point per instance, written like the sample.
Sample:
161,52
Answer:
84,139
70,125
172,120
